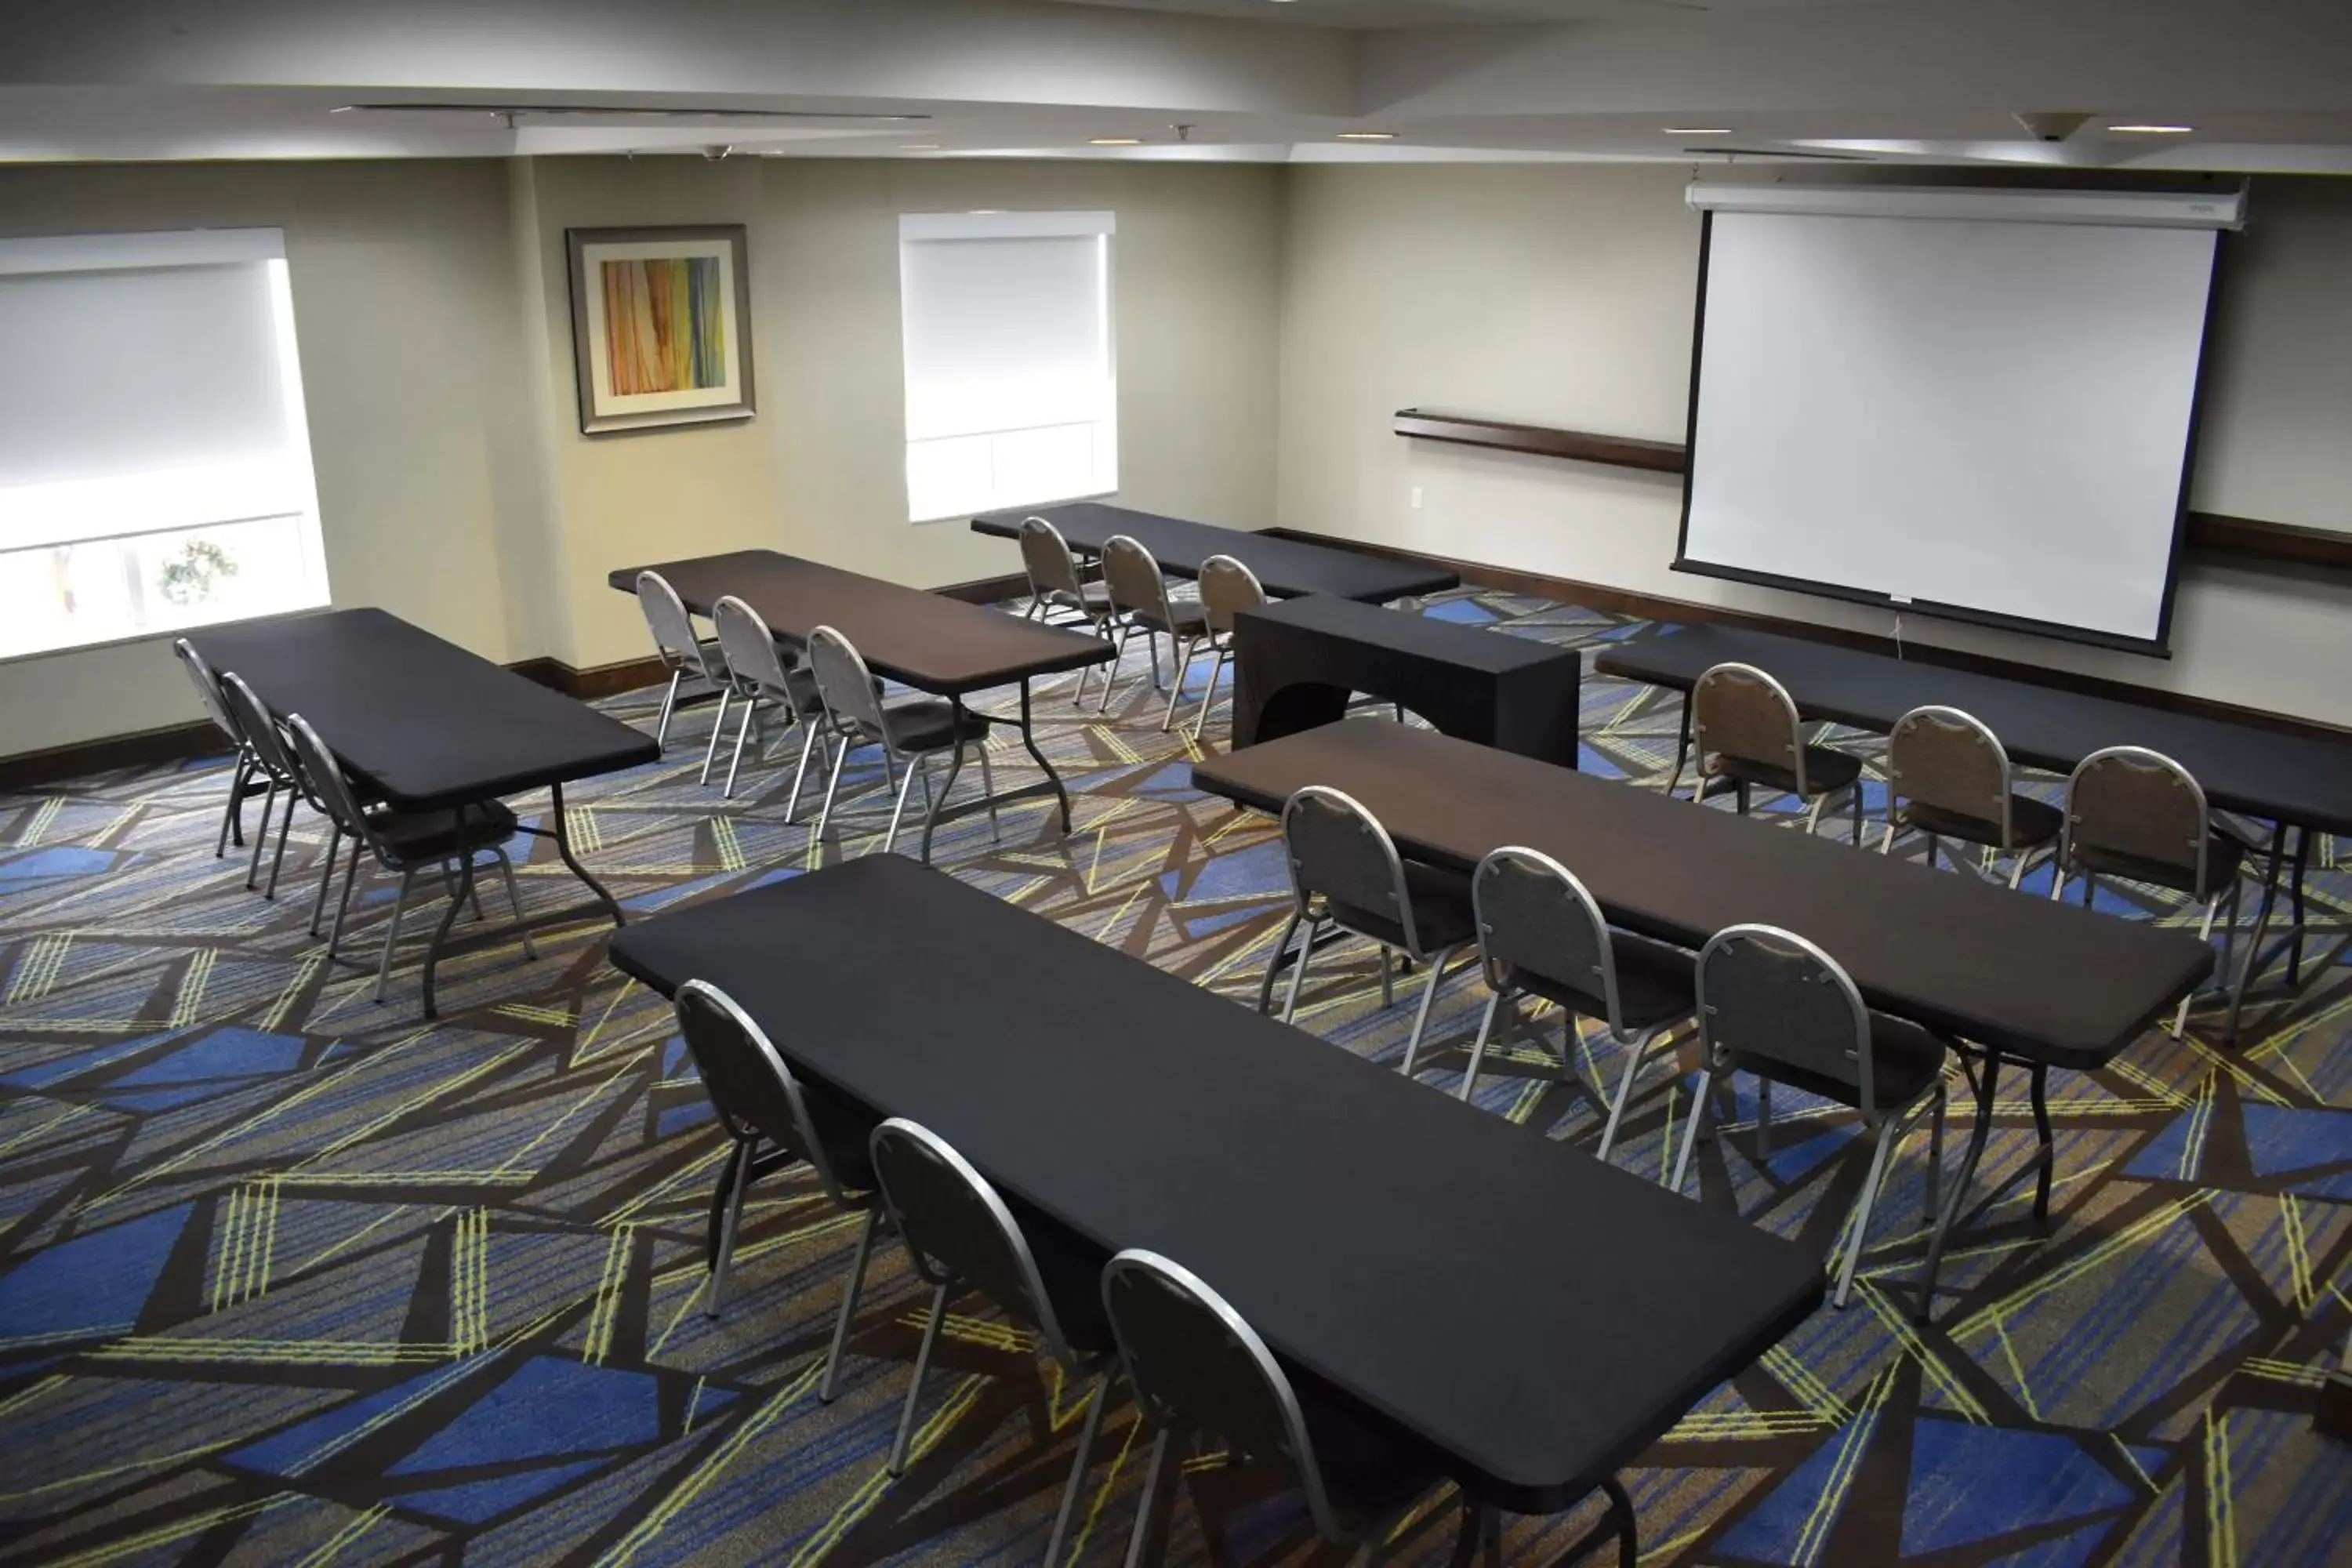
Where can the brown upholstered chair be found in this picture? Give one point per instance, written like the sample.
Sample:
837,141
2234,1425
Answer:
2137,815
1773,1004
1749,737
1138,596
1948,776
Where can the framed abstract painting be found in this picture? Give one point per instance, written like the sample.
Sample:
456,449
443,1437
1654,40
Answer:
661,326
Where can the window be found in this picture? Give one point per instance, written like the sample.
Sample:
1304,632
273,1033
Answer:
154,460
1011,395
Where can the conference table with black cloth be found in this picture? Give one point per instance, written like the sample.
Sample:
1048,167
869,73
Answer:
1361,1224
423,725
1999,976
923,640
1285,568
1295,662
2289,781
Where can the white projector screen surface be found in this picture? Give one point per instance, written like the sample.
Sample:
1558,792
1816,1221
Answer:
1987,417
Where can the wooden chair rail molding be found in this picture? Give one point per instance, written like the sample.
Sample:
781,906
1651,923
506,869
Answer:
2233,539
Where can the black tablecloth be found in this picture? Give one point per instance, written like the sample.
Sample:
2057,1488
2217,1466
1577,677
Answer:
1536,1316
1285,567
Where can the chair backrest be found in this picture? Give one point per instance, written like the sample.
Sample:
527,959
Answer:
1950,760
957,1227
754,668
2132,801
1770,995
675,642
1737,710
258,725
1339,850
1196,1366
1535,916
1227,586
328,790
1133,576
845,684
1045,556
750,1086
208,691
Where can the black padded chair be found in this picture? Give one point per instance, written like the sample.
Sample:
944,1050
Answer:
962,1236
404,841
1541,934
274,763
759,1102
1748,737
756,672
1345,871
1138,596
1948,776
911,732
216,705
1773,1004
2137,815
698,669
1200,1372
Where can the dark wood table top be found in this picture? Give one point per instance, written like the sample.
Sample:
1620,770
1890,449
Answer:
2040,981
2242,767
1361,1222
1285,568
919,640
422,721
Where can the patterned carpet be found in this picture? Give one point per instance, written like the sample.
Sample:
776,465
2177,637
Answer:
289,1278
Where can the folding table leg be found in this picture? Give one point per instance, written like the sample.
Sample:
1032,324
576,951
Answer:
1978,1135
449,918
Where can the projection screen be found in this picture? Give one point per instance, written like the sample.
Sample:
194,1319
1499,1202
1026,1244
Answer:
1899,399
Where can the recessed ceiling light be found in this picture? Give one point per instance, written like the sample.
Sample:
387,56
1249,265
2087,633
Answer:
2153,130
1114,141
1695,130
1367,135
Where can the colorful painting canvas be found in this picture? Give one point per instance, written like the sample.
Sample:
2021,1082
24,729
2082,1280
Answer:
661,327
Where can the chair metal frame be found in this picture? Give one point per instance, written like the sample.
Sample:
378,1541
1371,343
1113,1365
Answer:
1734,670
756,673
944,1281
743,1165
333,794
685,654
1039,534
274,762
856,716
1129,617
1639,1046
2211,898
1955,718
1216,572
216,705
1302,910
1887,1129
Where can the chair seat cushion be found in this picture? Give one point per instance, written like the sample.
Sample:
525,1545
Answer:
1654,985
428,838
1442,917
1903,1060
1826,771
1185,618
933,724
1091,598
2031,823
2223,855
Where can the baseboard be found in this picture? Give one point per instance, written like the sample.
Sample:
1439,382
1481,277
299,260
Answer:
144,749
1651,606
987,590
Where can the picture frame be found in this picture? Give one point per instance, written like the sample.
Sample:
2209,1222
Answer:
661,326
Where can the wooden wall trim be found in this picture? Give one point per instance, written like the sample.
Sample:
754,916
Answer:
1648,606
2234,540
142,749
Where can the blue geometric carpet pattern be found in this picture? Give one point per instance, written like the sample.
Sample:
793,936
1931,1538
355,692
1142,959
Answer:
287,1277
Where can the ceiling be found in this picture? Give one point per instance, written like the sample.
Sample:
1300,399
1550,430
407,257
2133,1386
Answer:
1899,81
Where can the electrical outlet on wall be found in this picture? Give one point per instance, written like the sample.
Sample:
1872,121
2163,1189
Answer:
1415,497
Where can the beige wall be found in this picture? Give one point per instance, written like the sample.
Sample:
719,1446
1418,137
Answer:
403,305
1562,295
455,487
